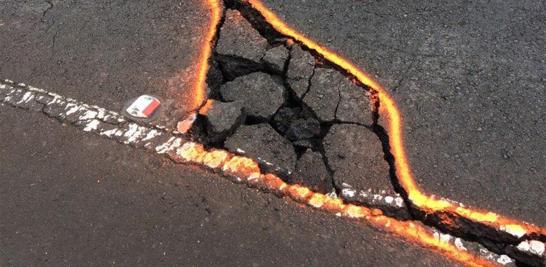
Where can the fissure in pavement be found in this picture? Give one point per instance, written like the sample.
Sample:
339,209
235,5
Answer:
324,107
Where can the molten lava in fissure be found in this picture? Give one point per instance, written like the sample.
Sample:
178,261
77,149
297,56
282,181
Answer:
245,170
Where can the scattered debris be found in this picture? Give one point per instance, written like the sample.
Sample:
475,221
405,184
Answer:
185,125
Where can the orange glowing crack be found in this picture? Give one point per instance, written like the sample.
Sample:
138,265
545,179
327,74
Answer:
389,109
199,87
246,170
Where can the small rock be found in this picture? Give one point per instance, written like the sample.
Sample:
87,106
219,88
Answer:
296,124
264,144
355,154
312,172
354,104
276,58
300,69
223,117
239,38
323,95
260,95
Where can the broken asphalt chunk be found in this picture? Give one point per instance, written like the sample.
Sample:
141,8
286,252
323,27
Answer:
233,67
312,172
214,80
275,58
264,144
238,38
355,154
300,70
354,104
260,95
223,117
323,95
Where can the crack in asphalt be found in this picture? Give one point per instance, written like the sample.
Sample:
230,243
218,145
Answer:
458,225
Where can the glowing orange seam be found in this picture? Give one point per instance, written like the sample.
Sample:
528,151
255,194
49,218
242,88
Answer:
199,87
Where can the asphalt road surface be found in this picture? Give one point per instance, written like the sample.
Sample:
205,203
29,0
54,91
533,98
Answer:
469,79
69,198
102,52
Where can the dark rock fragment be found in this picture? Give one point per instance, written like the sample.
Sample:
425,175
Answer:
355,154
223,117
354,104
260,95
264,144
323,95
300,70
312,172
275,58
239,38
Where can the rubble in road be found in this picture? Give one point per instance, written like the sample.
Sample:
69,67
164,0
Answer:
290,103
